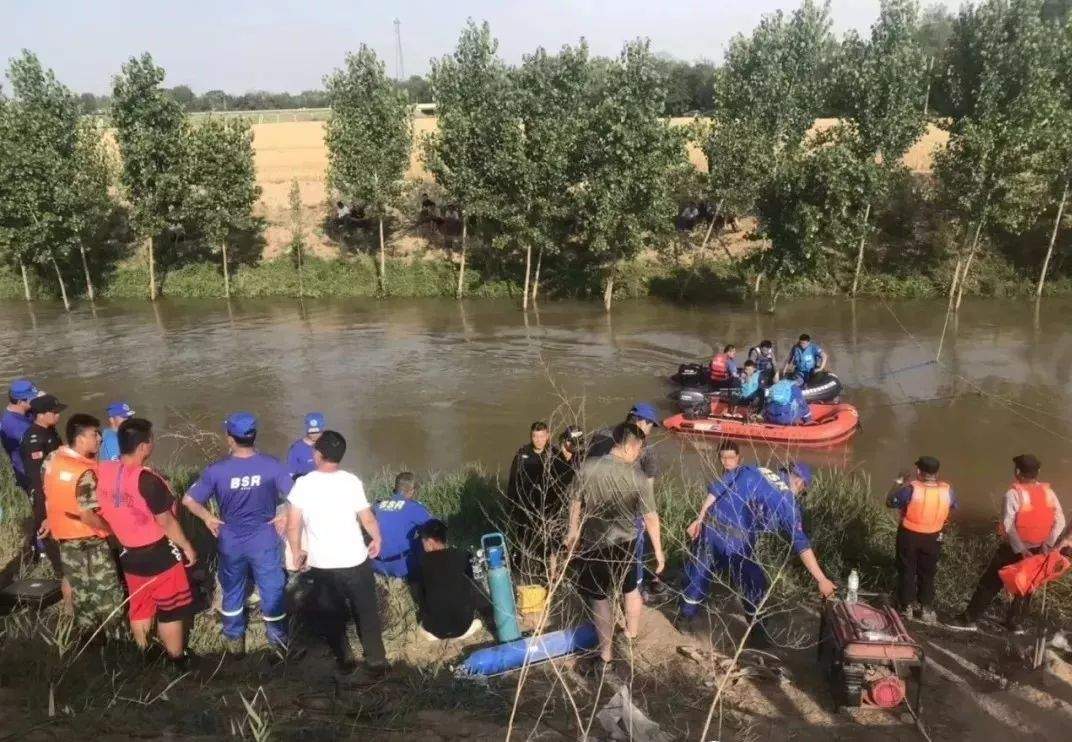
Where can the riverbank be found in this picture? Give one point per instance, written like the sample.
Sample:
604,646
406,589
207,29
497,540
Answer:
430,275
50,680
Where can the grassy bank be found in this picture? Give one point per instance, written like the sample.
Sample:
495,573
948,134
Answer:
356,276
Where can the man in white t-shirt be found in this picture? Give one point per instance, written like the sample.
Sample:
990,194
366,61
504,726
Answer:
329,504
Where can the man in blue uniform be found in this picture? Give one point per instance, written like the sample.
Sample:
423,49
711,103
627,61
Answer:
805,360
786,405
15,423
300,455
117,413
744,503
400,517
250,489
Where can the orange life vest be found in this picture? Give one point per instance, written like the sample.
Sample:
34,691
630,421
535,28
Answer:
928,510
720,370
60,476
122,505
1036,516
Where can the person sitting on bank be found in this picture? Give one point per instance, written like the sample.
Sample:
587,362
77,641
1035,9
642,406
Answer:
117,412
400,517
723,369
763,355
447,597
1032,524
925,504
786,405
805,360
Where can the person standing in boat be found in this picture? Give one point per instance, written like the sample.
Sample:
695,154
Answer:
805,360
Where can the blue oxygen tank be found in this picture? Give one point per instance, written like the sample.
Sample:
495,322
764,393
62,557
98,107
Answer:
500,586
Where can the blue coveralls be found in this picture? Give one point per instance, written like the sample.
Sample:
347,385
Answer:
793,412
248,492
399,521
749,501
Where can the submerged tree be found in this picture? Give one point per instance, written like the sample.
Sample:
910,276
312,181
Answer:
368,138
150,128
297,232
222,183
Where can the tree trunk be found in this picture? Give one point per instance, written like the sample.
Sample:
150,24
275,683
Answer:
927,95
759,280
301,282
536,277
774,298
860,251
226,271
528,273
967,263
383,263
25,281
152,272
1053,241
711,226
85,269
461,265
953,285
608,291
63,286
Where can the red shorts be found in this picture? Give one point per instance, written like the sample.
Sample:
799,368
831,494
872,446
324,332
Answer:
165,596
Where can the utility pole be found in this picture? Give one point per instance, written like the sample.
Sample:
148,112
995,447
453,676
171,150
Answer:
399,69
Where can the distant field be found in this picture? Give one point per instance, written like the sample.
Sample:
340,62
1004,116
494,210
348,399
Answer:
272,116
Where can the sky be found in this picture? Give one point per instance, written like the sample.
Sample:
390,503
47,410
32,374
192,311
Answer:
289,45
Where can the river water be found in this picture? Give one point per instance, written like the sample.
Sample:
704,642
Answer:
434,384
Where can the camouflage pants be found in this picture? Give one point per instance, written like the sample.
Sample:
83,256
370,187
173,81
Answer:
89,567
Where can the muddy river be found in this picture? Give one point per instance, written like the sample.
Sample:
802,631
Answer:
432,385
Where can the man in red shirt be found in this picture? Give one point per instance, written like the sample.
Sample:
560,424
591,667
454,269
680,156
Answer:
139,508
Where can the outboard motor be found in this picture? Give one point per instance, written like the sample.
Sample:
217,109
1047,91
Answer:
694,405
692,375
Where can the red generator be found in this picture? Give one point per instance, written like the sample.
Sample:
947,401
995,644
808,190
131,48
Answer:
868,656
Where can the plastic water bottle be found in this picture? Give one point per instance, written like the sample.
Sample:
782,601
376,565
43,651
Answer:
854,587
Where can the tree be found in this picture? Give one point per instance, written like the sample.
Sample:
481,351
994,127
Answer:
182,95
38,143
625,198
468,155
297,231
553,95
222,183
88,200
1002,63
1060,143
368,138
932,34
151,131
881,83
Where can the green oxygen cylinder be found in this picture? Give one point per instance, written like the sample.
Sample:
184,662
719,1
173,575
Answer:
501,587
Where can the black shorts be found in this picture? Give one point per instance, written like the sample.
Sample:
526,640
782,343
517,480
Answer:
606,572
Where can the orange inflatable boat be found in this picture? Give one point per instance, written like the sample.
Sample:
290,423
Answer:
831,424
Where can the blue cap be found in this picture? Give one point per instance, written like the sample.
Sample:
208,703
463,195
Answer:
23,390
241,424
314,422
801,469
120,409
645,411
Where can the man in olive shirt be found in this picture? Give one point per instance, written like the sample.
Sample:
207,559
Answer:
607,497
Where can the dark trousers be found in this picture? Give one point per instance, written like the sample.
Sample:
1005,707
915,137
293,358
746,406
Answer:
350,592
990,585
917,566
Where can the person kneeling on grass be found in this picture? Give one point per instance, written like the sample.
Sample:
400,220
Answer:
447,598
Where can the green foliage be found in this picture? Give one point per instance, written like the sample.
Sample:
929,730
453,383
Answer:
368,135
221,179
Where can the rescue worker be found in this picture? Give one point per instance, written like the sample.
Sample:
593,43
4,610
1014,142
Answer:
40,440
69,477
805,360
744,503
1032,524
139,509
723,369
925,503
117,413
763,355
16,421
300,454
526,490
786,405
250,490
400,517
